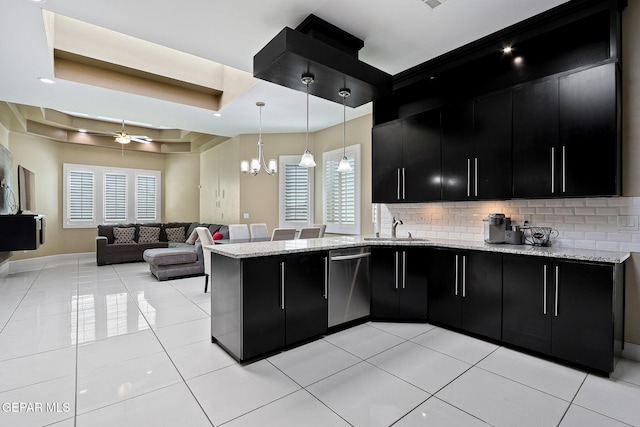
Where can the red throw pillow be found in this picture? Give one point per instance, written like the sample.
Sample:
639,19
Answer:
216,235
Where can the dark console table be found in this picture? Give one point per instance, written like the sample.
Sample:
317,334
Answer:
21,232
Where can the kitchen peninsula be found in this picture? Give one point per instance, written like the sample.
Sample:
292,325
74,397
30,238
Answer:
563,303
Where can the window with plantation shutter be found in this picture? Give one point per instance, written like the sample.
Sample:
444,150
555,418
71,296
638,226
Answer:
341,192
115,197
96,195
80,201
296,193
146,192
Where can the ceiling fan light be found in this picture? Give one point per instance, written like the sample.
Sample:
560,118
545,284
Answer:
123,139
307,160
345,165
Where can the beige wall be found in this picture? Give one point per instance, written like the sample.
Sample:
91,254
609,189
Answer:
220,183
4,136
358,132
45,158
180,183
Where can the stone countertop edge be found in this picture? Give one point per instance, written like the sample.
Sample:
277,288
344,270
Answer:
259,249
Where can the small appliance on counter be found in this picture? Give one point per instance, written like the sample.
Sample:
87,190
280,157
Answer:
495,225
513,235
539,236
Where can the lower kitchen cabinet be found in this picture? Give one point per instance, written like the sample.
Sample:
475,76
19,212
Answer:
465,291
399,284
271,302
565,309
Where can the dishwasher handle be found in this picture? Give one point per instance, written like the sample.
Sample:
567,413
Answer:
348,257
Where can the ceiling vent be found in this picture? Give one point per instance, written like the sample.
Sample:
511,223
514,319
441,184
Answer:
432,3
327,52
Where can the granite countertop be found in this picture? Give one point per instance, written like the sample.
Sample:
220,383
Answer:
258,249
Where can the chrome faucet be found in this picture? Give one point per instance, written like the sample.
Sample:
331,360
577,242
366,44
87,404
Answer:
395,223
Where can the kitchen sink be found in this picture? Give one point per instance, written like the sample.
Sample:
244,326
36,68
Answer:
396,239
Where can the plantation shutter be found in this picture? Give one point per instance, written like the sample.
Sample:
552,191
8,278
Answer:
81,196
115,197
146,194
296,203
340,193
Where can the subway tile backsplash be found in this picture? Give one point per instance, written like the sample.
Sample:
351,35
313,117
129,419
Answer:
586,223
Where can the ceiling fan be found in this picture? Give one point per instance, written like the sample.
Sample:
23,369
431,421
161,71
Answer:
123,137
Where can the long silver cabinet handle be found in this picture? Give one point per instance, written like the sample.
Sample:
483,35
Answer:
326,277
398,190
403,185
457,275
404,269
468,177
396,270
553,170
556,302
564,169
544,290
348,257
464,276
282,285
476,177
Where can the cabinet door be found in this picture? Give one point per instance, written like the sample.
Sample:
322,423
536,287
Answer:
482,294
589,132
444,287
457,151
386,162
305,303
413,284
526,303
385,283
582,325
263,315
421,158
535,140
491,164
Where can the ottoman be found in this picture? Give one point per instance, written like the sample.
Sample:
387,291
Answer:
168,263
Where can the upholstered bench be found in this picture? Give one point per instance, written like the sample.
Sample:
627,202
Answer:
168,263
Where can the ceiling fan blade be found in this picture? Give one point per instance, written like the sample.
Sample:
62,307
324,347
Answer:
143,141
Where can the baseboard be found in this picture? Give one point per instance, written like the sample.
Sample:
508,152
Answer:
52,258
631,351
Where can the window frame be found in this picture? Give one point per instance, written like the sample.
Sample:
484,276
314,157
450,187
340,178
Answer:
99,198
334,156
283,161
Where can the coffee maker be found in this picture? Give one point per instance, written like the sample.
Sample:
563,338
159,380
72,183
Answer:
495,225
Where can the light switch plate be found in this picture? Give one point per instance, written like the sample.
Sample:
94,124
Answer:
628,223
245,215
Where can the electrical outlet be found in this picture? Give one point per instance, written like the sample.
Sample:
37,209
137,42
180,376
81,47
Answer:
526,218
628,223
245,215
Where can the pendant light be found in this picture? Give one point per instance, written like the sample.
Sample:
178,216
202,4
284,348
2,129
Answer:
307,158
256,164
344,165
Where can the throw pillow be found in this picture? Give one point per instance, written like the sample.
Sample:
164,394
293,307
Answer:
175,234
123,235
193,238
216,235
149,235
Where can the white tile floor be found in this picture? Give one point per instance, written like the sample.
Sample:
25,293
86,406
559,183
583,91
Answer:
105,346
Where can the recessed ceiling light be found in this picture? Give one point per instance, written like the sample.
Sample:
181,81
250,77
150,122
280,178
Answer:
518,61
46,80
38,1
507,49
82,130
217,114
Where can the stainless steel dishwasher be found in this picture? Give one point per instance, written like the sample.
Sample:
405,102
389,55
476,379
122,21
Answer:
349,285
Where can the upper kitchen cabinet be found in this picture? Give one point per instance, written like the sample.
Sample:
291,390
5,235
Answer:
566,135
406,160
476,149
589,145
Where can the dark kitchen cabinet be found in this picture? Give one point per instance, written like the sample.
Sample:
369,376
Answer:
465,291
565,135
284,301
535,139
569,310
399,283
476,149
406,159
589,143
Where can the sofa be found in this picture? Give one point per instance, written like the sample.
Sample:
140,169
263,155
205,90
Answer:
119,243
